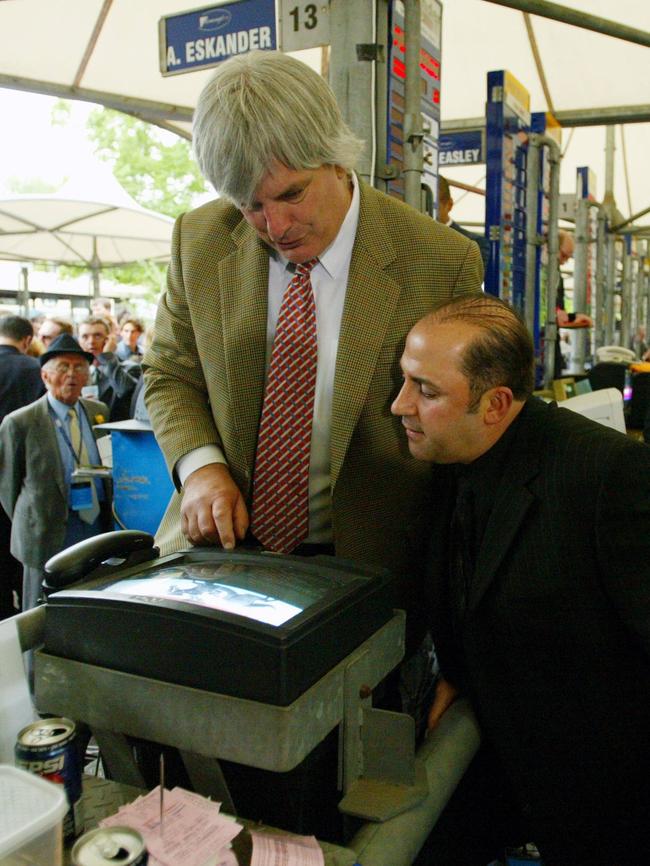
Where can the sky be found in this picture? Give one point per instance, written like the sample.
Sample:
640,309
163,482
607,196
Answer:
30,147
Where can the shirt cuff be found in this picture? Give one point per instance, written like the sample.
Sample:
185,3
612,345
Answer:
198,458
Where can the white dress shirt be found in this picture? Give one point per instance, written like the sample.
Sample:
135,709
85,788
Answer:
329,279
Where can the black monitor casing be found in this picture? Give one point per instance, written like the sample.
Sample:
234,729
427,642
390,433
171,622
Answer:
218,651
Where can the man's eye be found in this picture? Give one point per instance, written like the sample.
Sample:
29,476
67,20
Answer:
428,393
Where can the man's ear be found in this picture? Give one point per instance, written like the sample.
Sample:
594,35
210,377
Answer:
496,404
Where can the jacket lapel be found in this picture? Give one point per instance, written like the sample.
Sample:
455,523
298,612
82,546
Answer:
512,502
51,443
370,302
244,277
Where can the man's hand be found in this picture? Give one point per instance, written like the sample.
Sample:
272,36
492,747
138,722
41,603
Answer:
111,343
573,320
445,695
213,510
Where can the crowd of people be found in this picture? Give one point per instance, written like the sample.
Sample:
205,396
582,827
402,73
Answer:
327,378
50,368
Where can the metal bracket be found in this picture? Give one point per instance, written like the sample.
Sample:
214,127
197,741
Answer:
370,51
387,172
392,779
413,130
381,777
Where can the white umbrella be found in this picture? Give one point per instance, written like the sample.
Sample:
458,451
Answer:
72,231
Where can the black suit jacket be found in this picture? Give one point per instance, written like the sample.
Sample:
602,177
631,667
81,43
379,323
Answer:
482,242
20,380
554,648
116,381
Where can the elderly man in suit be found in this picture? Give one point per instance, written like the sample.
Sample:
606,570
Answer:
43,449
298,266
20,384
540,601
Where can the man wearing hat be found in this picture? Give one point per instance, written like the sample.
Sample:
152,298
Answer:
44,448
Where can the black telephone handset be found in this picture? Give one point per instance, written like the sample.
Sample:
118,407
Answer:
75,562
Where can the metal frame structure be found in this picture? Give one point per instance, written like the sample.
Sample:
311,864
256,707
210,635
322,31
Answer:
398,812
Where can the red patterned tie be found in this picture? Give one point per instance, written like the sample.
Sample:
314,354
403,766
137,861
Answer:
281,482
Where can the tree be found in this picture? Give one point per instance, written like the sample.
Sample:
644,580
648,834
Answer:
154,166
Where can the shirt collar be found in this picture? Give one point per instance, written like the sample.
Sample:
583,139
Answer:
60,409
338,254
484,473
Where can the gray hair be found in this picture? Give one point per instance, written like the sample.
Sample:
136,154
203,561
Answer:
265,107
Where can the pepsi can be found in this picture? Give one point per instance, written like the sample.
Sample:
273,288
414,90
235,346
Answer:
109,846
48,748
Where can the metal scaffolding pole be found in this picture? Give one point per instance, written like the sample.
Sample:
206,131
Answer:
351,73
599,303
610,149
23,293
637,305
533,241
580,261
553,275
626,295
645,268
631,219
578,19
610,330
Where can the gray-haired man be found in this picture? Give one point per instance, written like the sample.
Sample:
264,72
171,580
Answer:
41,446
269,136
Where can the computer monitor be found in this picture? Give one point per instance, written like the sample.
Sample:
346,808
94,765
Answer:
250,625
604,406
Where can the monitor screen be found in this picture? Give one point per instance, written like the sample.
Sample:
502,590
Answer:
264,594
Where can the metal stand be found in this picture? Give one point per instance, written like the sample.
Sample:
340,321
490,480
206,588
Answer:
116,704
378,782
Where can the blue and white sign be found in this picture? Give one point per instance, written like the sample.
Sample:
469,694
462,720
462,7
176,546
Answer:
205,37
461,148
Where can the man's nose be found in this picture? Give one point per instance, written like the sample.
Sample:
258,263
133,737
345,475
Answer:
277,220
402,405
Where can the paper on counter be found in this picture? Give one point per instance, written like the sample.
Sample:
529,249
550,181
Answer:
193,833
275,850
16,710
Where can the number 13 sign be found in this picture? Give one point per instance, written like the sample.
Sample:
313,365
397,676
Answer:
303,24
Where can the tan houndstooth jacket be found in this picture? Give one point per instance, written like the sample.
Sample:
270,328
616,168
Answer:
205,370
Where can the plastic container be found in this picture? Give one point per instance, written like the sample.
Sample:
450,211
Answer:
31,819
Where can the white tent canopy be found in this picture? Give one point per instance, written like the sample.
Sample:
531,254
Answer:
106,51
78,232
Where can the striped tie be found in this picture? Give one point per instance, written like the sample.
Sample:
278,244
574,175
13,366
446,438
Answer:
280,518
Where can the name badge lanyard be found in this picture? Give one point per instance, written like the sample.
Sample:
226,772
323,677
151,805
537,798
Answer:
83,495
64,433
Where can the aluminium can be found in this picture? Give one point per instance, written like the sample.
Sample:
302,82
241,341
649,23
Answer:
110,846
49,749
